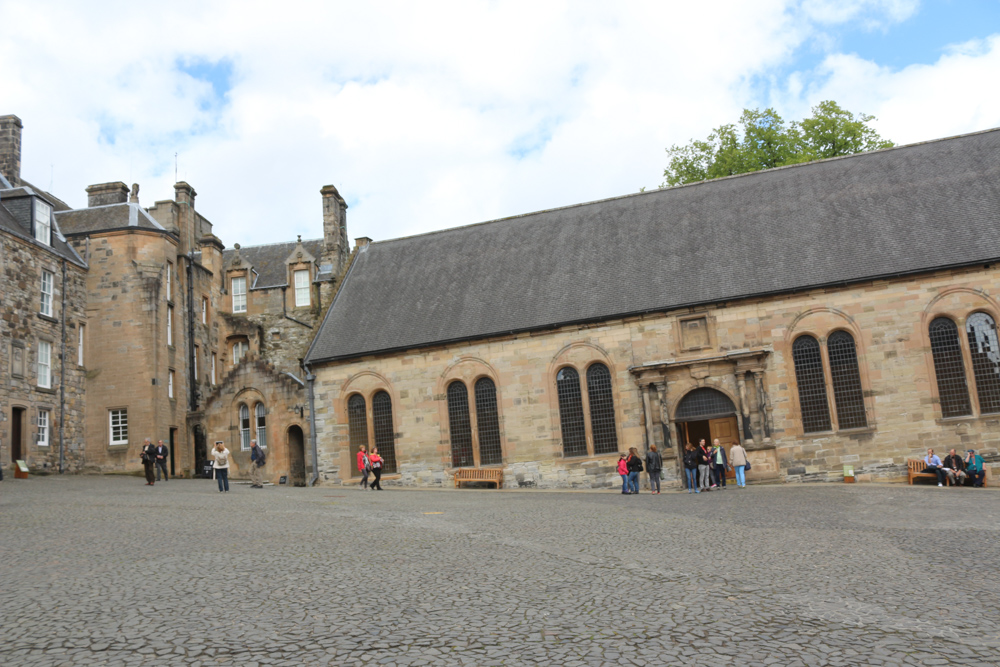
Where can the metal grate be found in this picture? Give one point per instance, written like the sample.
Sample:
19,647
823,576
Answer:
812,385
953,392
602,409
244,427
459,425
385,438
571,413
357,426
704,403
847,393
488,423
985,348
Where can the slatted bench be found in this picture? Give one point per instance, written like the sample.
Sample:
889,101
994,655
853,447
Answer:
915,466
494,475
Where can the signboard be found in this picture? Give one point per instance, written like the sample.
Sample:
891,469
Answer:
20,470
849,474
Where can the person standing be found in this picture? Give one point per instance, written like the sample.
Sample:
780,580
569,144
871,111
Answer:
738,458
148,456
376,463
623,471
704,466
974,468
691,468
654,464
720,463
364,465
221,465
257,461
634,465
162,452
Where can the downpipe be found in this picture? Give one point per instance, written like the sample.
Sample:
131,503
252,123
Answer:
311,397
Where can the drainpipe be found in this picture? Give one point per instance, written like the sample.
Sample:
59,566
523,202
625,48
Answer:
310,381
192,379
62,376
284,310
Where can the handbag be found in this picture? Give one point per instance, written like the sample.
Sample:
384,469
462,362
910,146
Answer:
747,466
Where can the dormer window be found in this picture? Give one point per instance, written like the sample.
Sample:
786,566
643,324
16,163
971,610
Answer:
43,222
301,288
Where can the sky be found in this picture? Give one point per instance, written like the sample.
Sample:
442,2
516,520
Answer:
429,115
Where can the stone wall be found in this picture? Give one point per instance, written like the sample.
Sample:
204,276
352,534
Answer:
888,320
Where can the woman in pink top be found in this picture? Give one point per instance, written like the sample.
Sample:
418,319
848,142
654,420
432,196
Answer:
364,466
623,471
376,462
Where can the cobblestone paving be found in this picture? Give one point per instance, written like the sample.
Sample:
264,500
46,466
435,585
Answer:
107,571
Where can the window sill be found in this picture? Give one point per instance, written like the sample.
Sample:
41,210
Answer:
843,431
45,390
947,421
48,318
118,445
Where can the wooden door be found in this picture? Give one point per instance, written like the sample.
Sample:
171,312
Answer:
727,431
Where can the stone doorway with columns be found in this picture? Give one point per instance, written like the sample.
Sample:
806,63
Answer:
708,414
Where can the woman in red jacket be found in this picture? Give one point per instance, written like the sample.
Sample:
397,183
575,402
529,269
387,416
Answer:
376,462
364,465
623,471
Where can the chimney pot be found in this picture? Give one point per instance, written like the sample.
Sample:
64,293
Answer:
10,149
361,241
103,194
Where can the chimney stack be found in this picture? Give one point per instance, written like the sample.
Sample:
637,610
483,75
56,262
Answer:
10,149
103,194
334,230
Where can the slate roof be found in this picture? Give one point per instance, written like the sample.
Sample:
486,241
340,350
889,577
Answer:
902,210
21,227
110,217
268,261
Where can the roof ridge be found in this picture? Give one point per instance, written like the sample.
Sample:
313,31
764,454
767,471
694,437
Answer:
264,245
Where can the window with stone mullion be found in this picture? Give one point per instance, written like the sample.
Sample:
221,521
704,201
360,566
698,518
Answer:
812,385
357,427
460,425
602,409
848,395
949,368
385,438
985,352
571,421
488,423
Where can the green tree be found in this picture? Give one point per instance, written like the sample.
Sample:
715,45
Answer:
762,140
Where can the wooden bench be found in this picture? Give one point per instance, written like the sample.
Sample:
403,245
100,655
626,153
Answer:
493,475
915,466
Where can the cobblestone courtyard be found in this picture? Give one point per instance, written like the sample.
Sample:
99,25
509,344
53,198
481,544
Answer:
107,571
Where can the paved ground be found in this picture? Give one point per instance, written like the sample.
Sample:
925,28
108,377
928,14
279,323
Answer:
107,571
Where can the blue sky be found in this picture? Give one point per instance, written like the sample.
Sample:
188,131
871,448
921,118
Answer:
454,112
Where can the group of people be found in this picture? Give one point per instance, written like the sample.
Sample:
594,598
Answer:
370,464
955,468
705,466
157,457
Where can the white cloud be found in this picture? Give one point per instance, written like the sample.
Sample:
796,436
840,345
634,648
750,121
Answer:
424,115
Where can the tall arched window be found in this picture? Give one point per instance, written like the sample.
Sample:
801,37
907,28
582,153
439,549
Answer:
574,434
949,368
812,386
602,409
244,427
357,427
459,425
385,438
260,414
488,423
847,393
985,349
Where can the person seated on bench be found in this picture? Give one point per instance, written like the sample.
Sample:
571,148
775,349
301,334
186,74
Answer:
933,466
954,467
974,468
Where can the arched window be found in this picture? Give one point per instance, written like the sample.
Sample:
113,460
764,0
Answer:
571,413
357,427
985,349
847,393
812,387
244,427
459,425
260,413
488,422
949,368
385,438
602,409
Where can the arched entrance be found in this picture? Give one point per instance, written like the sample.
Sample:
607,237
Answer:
296,457
706,413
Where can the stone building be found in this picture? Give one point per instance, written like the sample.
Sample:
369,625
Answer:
841,312
42,302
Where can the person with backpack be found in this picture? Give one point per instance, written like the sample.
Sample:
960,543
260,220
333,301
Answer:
364,465
654,464
691,458
257,461
376,464
634,466
623,471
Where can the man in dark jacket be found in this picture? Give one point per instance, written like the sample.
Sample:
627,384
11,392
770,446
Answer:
148,456
720,462
654,464
955,468
257,461
161,460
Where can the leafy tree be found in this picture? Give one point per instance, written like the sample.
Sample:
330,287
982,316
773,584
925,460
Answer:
763,140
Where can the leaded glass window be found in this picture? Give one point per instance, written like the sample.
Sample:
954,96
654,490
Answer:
602,409
847,393
460,425
571,413
488,423
357,426
244,427
985,349
260,415
704,403
385,438
949,368
812,385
